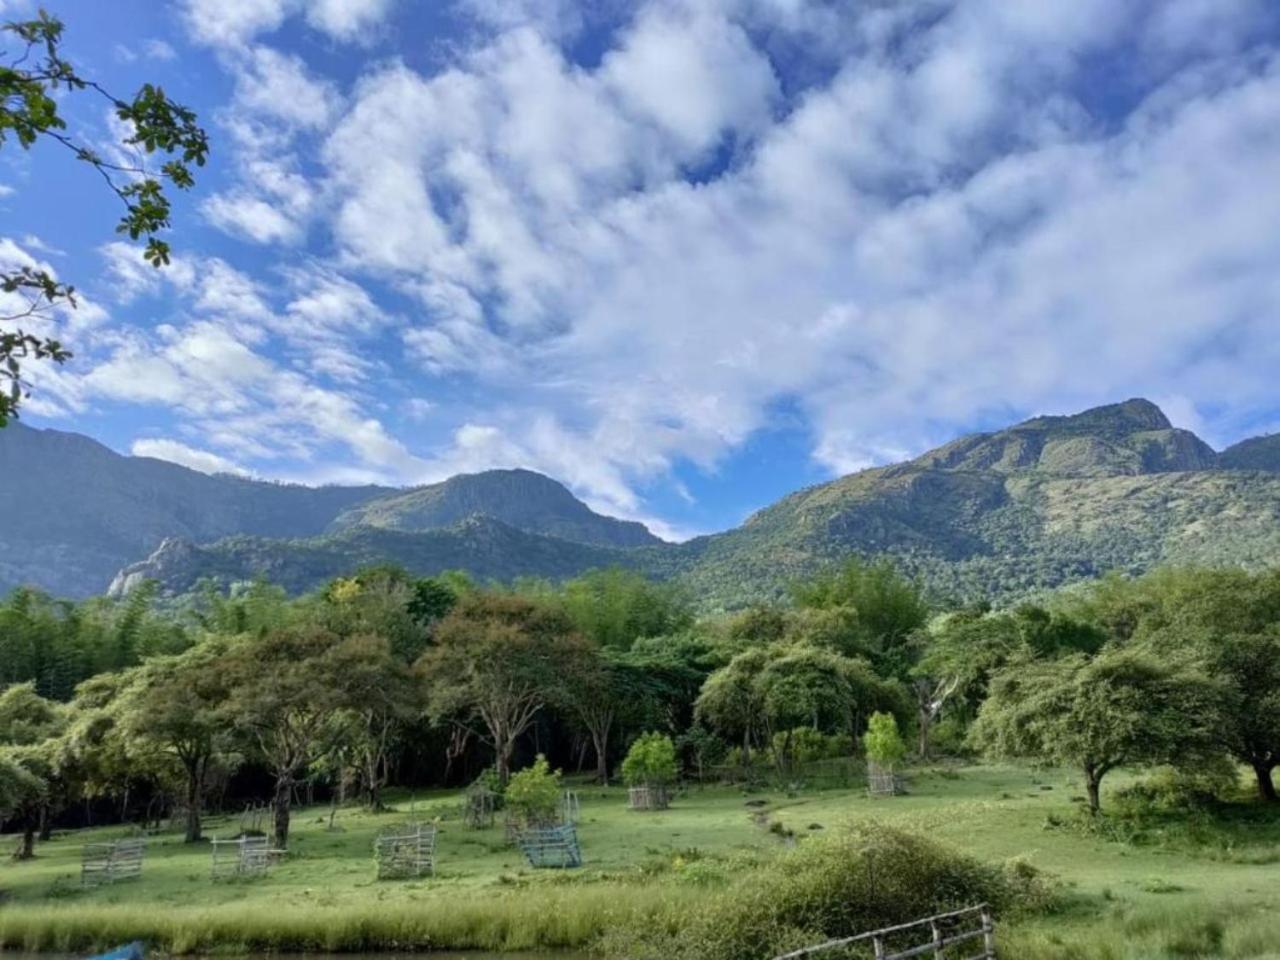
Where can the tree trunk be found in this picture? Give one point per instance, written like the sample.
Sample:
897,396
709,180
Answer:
601,741
922,745
1093,784
195,789
1266,787
27,848
284,794
502,760
46,824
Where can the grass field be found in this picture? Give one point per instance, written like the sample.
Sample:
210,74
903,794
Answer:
1125,902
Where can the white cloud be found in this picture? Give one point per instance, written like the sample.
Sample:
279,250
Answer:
205,461
158,49
895,218
232,23
241,213
6,190
945,228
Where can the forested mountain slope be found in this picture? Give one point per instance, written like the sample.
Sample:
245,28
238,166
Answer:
1001,514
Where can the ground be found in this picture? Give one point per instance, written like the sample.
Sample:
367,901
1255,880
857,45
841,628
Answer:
1219,898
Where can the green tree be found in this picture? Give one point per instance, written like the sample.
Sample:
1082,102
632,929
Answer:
882,742
174,706
651,761
616,607
33,83
534,794
882,611
283,689
1096,714
1247,665
497,660
29,727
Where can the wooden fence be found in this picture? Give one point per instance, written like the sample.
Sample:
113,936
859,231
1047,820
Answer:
109,862
405,850
933,937
242,857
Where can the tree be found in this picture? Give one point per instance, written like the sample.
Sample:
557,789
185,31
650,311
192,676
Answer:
1248,667
29,726
882,742
731,701
1121,707
498,659
174,705
883,610
283,689
616,607
651,761
382,696
32,85
534,794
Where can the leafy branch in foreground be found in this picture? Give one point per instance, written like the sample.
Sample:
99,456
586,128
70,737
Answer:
29,112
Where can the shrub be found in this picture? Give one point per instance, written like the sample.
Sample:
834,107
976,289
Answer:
808,745
882,741
534,793
862,879
651,761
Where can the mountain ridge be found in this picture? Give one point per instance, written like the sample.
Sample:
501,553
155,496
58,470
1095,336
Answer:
1001,514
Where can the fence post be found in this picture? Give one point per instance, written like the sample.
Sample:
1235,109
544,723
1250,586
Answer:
988,934
879,947
937,937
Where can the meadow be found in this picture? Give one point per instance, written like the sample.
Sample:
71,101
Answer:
1201,891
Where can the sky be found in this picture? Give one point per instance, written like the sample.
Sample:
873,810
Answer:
685,256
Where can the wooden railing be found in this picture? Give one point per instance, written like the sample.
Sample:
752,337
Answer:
944,931
109,862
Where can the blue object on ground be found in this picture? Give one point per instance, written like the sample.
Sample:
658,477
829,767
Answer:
130,951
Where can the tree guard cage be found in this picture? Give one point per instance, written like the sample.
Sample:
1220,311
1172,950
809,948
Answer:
651,796
571,808
478,807
242,857
931,937
551,847
251,818
883,782
108,862
405,850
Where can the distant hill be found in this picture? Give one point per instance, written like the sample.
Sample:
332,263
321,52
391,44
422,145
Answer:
522,499
1257,453
76,511
1000,515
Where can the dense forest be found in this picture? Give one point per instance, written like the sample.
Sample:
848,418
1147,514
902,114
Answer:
130,710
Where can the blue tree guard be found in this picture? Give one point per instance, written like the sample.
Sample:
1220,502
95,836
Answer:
551,846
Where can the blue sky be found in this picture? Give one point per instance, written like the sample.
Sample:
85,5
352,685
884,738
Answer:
685,256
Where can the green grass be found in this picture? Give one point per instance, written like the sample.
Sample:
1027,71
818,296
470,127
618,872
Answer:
1125,902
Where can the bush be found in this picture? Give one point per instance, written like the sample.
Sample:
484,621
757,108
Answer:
868,877
651,761
534,794
948,738
809,745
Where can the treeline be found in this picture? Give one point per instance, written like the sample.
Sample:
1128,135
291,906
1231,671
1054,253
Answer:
382,678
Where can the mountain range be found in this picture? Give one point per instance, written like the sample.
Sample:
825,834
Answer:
1002,514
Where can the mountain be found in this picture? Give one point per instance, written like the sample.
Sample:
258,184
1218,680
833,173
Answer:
77,513
1256,453
1002,515
1045,502
522,499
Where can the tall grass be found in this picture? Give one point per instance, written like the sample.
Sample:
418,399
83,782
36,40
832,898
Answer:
1173,932
543,918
